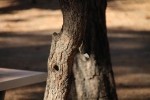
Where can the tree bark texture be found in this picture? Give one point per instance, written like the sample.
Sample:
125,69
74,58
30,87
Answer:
92,69
63,49
79,54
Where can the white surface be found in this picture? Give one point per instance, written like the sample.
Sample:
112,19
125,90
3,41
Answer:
12,78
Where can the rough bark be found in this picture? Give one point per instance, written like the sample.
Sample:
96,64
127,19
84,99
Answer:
93,73
63,49
82,43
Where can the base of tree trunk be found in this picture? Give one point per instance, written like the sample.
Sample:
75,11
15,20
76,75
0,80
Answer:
80,54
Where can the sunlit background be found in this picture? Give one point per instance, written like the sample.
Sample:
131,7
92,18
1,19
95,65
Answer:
25,36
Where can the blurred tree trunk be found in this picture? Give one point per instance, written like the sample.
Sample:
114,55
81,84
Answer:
81,45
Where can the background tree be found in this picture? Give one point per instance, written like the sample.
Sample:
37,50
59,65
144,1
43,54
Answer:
80,54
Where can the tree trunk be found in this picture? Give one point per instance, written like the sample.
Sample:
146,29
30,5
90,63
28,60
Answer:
92,69
81,45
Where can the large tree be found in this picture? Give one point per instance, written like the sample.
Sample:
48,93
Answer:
79,66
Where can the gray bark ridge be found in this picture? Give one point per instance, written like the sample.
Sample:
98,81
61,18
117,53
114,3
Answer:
63,49
94,79
82,45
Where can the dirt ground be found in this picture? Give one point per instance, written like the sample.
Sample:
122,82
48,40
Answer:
25,37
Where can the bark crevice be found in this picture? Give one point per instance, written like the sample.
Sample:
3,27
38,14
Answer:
80,54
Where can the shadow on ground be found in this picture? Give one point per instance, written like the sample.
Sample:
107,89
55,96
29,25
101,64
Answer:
32,92
24,51
130,52
28,51
16,5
